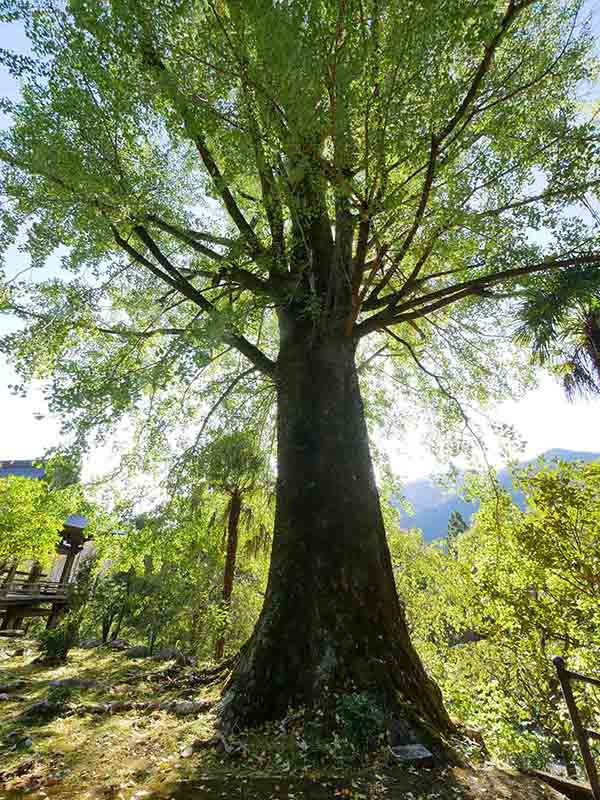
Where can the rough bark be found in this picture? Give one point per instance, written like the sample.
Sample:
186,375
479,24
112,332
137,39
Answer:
233,520
331,621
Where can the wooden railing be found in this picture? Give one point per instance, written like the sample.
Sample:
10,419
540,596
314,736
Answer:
582,734
17,589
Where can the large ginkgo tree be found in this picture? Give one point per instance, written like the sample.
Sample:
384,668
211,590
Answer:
288,183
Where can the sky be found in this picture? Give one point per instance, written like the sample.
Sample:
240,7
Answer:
543,417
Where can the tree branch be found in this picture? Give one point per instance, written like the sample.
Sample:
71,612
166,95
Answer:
128,333
174,279
512,11
186,236
167,83
223,396
437,140
425,193
442,389
451,294
245,278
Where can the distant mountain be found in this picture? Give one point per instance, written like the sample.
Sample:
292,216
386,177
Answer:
432,504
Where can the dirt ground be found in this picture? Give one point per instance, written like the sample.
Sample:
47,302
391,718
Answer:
89,750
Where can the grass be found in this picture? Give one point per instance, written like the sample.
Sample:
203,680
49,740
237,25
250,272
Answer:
135,755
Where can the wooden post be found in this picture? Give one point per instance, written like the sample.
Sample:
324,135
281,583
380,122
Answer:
35,573
11,620
11,568
54,618
580,732
68,566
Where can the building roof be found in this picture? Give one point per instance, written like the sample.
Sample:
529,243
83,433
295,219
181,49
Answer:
25,469
76,521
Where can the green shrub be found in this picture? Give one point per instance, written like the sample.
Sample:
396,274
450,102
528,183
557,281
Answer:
59,695
347,731
361,719
54,644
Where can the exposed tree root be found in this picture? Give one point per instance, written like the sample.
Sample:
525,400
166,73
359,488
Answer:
180,708
219,741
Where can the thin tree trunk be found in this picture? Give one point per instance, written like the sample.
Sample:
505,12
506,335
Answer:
106,624
233,520
331,620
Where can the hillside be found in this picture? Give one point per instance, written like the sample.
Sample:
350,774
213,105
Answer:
107,726
432,504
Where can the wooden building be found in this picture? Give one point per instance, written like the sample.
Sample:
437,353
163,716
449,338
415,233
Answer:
25,589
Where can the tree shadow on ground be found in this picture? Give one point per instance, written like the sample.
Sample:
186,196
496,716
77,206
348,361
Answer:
395,784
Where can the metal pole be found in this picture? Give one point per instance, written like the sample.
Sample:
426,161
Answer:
580,733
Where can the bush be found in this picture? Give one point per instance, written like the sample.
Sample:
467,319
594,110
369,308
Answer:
54,644
361,718
346,731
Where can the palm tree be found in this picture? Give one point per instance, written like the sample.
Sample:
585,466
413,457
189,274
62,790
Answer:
561,324
233,466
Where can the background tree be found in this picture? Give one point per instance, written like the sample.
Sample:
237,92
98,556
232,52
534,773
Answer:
456,526
55,643
370,171
160,583
561,324
522,588
232,465
110,603
32,517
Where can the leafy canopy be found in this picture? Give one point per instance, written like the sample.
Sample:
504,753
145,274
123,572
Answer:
391,172
32,517
518,588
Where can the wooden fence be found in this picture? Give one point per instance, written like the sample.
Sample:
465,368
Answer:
582,734
22,589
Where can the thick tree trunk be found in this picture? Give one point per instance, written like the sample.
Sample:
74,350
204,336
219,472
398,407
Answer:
233,521
331,620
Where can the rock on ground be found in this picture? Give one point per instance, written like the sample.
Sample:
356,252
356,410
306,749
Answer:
89,644
75,683
139,651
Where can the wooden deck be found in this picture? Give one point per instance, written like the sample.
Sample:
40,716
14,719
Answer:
21,598
18,592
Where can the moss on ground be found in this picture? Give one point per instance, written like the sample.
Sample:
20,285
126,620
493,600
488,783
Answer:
136,755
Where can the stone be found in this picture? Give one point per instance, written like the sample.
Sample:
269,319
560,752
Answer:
75,683
401,733
13,686
139,651
18,740
184,708
169,654
119,644
99,708
118,706
43,709
40,708
7,698
415,754
89,644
